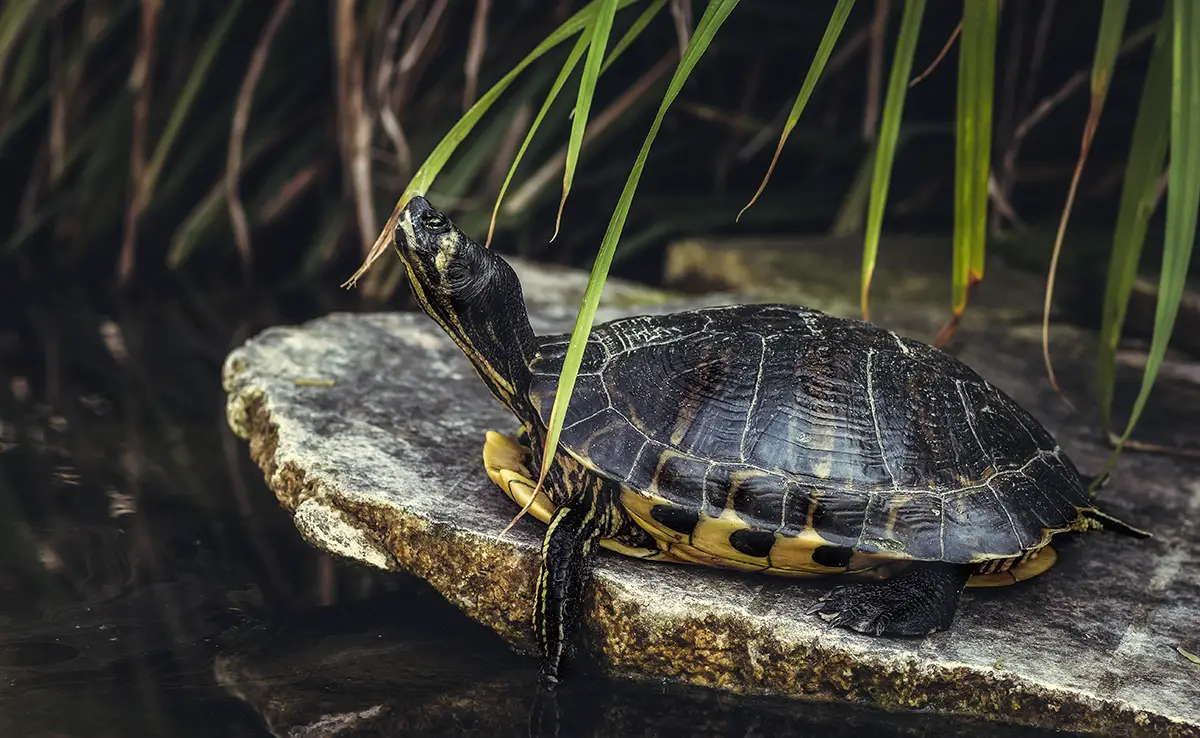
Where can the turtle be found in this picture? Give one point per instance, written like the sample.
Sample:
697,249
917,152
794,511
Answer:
759,437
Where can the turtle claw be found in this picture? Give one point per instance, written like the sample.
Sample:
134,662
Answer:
918,602
846,607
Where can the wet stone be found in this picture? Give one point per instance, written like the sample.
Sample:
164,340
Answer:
380,462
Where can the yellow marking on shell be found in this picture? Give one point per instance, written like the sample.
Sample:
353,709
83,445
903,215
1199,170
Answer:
820,441
1027,567
693,555
504,460
712,537
823,468
709,542
683,421
791,556
894,503
638,505
616,425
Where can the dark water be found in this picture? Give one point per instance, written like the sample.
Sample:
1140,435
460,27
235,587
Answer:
150,585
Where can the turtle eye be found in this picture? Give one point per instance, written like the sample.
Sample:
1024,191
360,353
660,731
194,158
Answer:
435,222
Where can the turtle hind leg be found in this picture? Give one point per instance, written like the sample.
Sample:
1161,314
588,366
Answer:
920,600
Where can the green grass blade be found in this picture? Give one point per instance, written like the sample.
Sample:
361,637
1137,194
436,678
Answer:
433,164
14,16
1183,194
601,27
423,178
976,83
635,30
832,32
187,96
564,74
1108,45
889,133
473,157
1139,194
714,15
568,67
26,68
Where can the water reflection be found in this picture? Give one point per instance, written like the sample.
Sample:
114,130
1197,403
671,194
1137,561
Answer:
403,665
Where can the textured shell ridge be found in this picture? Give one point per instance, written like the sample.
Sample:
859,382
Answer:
789,418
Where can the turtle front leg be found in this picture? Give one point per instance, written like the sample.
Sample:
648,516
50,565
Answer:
919,601
567,553
507,464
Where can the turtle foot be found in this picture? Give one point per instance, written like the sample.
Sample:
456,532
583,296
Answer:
920,601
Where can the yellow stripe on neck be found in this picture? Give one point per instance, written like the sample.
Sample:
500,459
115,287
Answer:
451,325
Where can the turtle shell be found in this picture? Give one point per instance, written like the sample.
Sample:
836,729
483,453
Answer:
763,423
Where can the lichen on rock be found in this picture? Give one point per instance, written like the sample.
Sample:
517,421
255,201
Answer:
383,465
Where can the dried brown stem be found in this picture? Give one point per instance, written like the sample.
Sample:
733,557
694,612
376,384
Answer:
421,41
505,153
291,189
1003,206
237,135
1089,134
681,13
475,48
1048,104
875,69
354,123
839,59
383,85
59,102
139,83
937,59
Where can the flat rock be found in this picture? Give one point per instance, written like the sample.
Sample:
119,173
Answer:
379,460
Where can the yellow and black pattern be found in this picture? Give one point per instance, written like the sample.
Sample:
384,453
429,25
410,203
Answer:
764,438
776,438
671,532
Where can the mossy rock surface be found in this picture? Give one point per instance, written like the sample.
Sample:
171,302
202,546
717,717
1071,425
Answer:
381,463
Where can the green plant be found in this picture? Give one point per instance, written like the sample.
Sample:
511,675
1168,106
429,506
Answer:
973,162
188,136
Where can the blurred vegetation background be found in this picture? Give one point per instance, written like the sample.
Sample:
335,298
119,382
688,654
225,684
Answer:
178,174
123,123
264,144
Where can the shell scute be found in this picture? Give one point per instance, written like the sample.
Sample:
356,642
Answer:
784,421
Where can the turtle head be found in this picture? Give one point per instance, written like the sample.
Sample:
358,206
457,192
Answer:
473,294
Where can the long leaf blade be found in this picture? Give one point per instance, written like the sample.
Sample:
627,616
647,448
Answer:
985,16
631,34
1108,44
1139,194
581,45
832,32
976,83
1183,194
601,27
972,156
564,74
423,178
714,15
889,134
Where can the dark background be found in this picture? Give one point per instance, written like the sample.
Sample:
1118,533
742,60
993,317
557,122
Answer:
127,506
